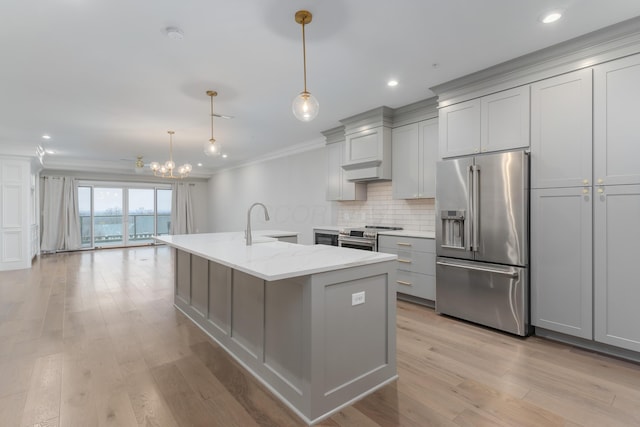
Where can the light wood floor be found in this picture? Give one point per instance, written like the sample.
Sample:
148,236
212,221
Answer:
92,339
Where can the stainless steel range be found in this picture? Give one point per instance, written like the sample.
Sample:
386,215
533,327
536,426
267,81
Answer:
365,238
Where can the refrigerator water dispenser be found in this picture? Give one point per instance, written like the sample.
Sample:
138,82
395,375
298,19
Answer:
453,229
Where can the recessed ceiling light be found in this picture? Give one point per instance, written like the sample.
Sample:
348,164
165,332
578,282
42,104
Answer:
392,83
174,33
551,17
199,164
46,136
224,156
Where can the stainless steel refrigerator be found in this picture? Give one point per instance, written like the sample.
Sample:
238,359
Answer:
482,240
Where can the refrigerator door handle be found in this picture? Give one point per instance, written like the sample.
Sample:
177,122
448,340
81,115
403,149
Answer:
506,271
469,222
476,207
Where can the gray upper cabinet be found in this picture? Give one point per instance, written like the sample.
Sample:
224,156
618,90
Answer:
616,124
460,129
561,135
414,154
495,122
504,120
561,261
368,145
338,188
617,293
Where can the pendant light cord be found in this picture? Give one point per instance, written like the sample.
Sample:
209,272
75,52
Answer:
304,58
211,119
170,145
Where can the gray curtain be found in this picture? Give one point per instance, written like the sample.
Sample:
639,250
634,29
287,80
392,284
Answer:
60,216
181,209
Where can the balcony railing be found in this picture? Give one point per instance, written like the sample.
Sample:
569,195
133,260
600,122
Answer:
107,229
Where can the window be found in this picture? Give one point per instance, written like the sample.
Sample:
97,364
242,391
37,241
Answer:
129,215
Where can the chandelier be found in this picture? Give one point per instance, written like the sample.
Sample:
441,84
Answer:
305,106
210,147
166,170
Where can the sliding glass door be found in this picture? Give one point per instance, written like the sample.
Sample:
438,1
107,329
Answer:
123,215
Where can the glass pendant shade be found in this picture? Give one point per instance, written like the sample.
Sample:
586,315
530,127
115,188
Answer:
166,170
211,148
305,107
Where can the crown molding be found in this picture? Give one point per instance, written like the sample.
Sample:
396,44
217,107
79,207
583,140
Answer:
51,163
606,44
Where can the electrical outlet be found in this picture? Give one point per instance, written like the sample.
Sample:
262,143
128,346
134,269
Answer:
357,298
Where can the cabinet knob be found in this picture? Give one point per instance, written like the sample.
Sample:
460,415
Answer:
585,191
600,190
600,180
585,182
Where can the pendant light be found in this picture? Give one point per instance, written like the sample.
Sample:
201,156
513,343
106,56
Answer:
166,170
210,147
305,106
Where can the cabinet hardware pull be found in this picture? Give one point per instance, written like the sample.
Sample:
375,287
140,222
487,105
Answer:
407,261
403,244
402,282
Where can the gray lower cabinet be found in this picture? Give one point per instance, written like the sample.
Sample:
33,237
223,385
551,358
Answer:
414,154
617,287
416,275
561,263
304,337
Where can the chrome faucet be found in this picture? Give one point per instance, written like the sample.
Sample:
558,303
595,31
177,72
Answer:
247,232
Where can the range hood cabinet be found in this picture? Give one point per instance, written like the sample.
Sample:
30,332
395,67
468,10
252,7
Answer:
368,146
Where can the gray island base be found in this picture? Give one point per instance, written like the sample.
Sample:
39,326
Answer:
320,333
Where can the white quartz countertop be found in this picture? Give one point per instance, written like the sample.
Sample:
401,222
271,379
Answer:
270,259
328,227
409,233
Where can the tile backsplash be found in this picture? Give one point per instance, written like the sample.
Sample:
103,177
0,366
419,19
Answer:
381,209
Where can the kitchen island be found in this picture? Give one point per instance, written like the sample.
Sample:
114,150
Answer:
315,324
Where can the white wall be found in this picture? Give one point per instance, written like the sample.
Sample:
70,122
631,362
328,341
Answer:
293,188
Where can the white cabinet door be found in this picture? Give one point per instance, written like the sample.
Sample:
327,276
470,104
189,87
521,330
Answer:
414,155
617,287
505,120
561,135
338,188
405,161
334,170
460,129
561,274
616,122
429,154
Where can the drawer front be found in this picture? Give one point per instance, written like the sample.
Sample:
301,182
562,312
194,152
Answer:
417,262
407,243
416,284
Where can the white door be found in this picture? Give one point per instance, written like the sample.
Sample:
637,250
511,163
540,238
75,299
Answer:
617,287
616,123
561,135
561,277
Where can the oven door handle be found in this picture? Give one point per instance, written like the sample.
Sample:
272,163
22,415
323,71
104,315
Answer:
366,243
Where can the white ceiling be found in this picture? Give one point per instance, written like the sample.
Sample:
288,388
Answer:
104,80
